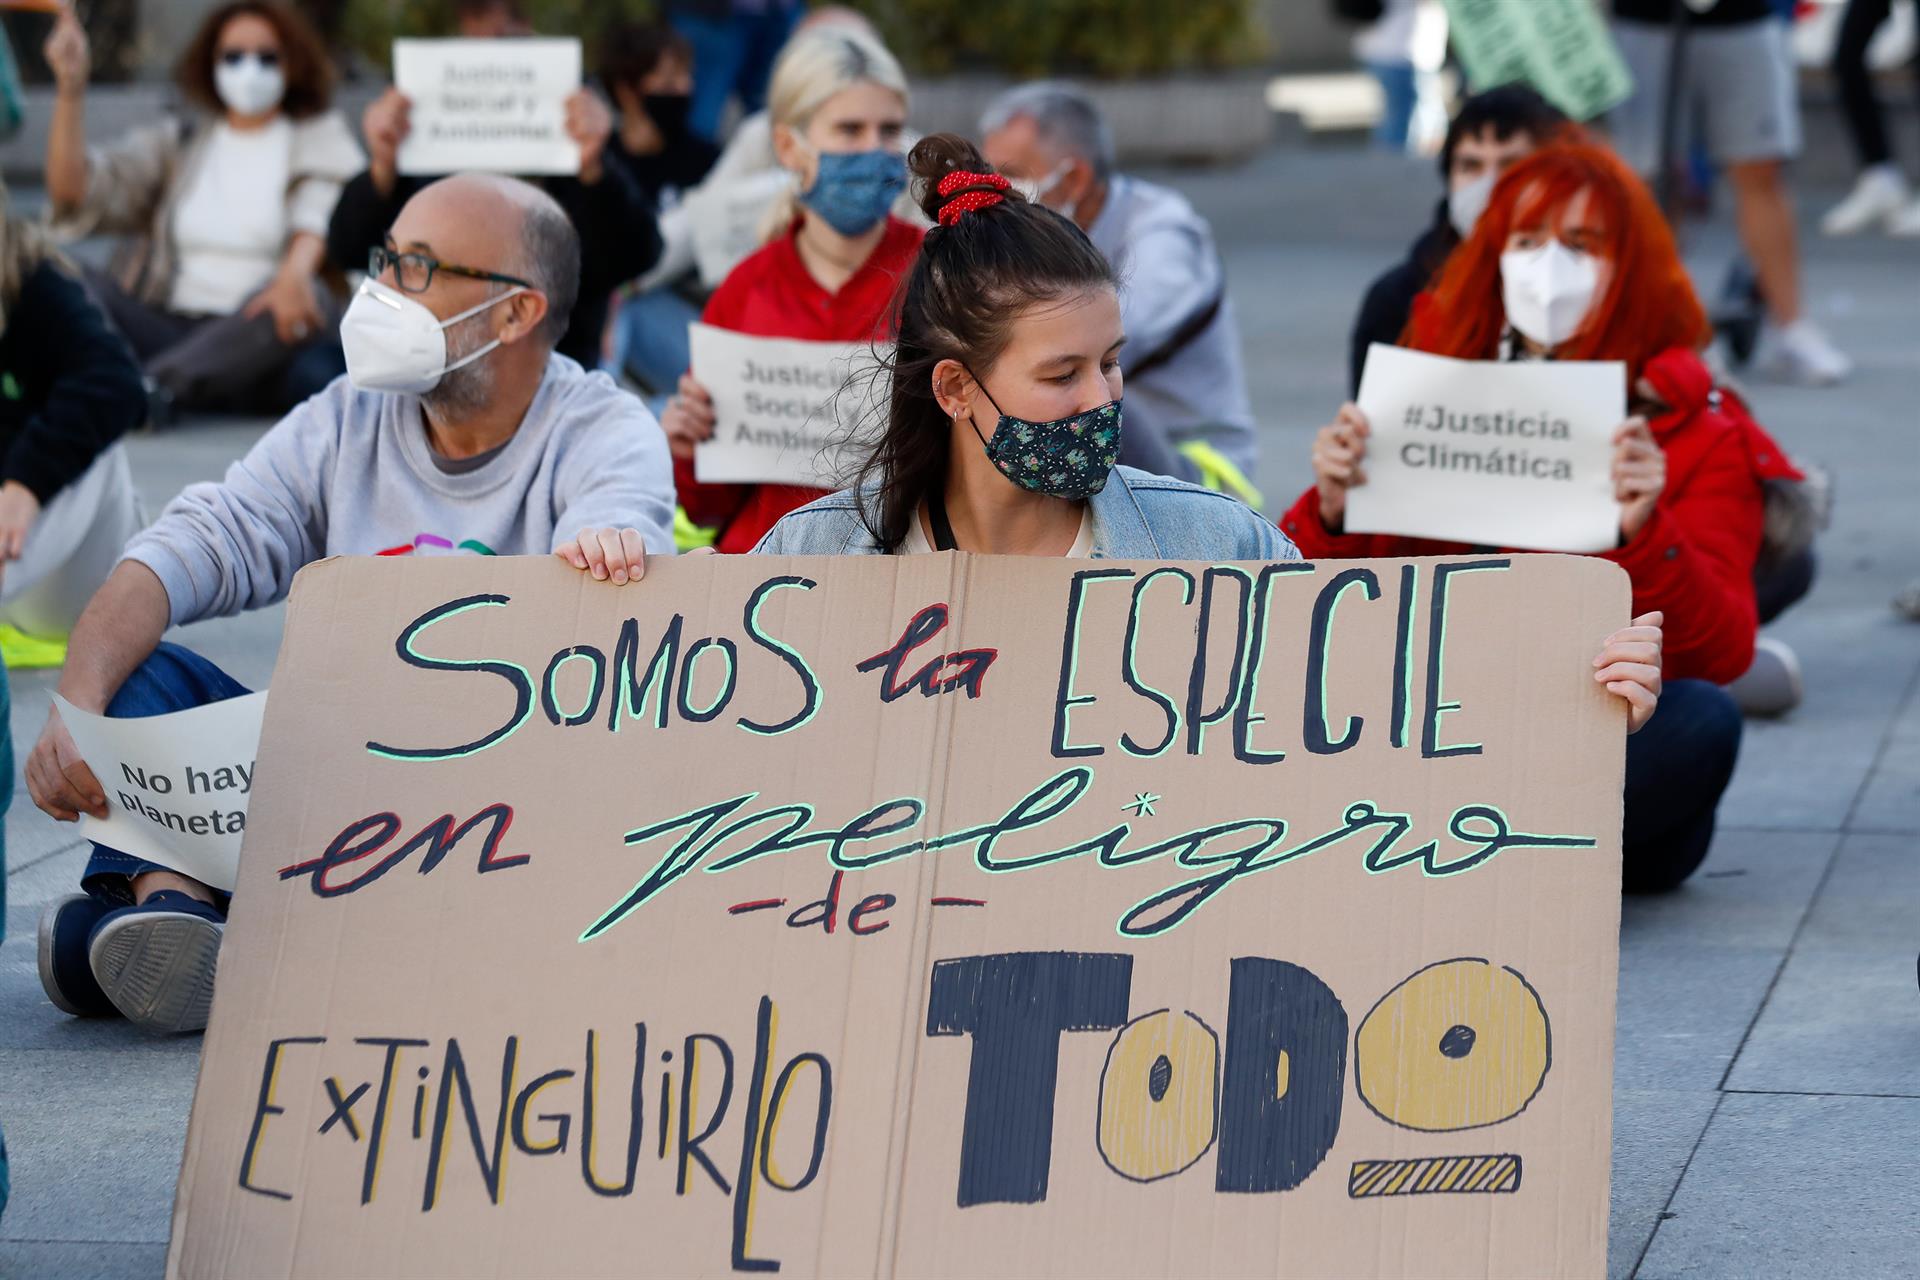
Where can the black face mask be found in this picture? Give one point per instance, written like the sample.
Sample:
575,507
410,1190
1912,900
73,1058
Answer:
668,111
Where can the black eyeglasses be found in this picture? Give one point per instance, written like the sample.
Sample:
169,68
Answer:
266,57
413,272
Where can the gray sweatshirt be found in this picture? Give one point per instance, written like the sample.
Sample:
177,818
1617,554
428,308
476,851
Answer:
350,473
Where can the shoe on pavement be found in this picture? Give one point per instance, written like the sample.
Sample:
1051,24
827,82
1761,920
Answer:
66,976
1879,194
1905,223
156,961
1801,354
1772,685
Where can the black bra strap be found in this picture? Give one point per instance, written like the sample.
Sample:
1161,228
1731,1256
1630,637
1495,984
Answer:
942,527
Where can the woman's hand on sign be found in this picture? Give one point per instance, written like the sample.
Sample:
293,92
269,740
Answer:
59,781
18,510
1338,452
67,52
619,555
386,123
1629,665
689,419
589,123
1639,475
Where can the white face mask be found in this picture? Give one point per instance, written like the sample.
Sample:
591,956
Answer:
1548,291
1037,189
395,344
249,86
1466,203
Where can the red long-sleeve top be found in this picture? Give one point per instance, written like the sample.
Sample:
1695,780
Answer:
1694,557
772,295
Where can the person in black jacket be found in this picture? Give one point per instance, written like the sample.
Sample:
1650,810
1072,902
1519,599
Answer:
1492,131
69,389
619,238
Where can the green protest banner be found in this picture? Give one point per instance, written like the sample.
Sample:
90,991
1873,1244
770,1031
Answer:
1560,47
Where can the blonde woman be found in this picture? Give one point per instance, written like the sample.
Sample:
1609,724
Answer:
838,109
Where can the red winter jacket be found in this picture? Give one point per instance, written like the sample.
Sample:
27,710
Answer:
772,295
1694,558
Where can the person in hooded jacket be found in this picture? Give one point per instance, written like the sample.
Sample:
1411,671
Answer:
1492,132
1572,260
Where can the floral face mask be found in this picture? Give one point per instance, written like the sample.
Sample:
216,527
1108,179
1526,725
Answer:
1067,458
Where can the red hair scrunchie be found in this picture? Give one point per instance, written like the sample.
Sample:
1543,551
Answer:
957,207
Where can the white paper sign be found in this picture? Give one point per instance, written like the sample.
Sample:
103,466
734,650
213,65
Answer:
1501,454
492,105
784,410
177,785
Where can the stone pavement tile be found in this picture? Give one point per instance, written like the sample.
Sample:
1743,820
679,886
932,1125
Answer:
1696,964
1845,1016
80,1260
1806,770
1789,1186
1653,1134
1891,801
94,1139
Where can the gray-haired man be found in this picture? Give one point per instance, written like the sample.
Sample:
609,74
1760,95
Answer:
1187,408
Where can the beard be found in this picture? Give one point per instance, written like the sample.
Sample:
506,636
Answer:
462,393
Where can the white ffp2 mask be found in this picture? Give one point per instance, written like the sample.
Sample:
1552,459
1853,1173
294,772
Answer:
1548,291
248,86
395,344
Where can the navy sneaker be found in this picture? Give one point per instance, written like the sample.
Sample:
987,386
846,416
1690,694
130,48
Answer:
155,961
66,926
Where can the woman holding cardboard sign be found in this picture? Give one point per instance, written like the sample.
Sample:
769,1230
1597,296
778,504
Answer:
1572,260
1004,418
839,107
226,209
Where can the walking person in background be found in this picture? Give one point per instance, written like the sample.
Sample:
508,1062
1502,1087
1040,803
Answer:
1385,48
833,257
1188,414
69,390
1492,132
219,283
1737,82
1881,196
1572,260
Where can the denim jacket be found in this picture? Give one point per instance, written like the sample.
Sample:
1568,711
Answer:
1135,517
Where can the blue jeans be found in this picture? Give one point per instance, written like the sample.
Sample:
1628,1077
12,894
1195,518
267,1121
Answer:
1397,82
1678,767
172,679
733,55
650,342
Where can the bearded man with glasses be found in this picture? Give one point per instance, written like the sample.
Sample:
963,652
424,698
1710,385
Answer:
458,430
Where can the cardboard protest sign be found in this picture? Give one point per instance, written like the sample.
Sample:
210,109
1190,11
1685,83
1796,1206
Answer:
785,409
1490,454
1560,47
499,106
922,916
177,785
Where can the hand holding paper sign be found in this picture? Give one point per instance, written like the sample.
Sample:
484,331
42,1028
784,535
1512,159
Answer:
1639,475
1510,454
689,418
178,785
500,106
386,123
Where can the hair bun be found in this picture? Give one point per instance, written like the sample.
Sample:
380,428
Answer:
939,154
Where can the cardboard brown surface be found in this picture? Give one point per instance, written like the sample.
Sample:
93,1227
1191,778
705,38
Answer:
1039,1065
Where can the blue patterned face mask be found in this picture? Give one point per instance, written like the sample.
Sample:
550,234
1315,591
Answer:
853,190
1066,458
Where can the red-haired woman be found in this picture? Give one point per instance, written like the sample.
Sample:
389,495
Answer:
1572,260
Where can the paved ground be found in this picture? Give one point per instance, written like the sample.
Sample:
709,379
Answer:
1767,1098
